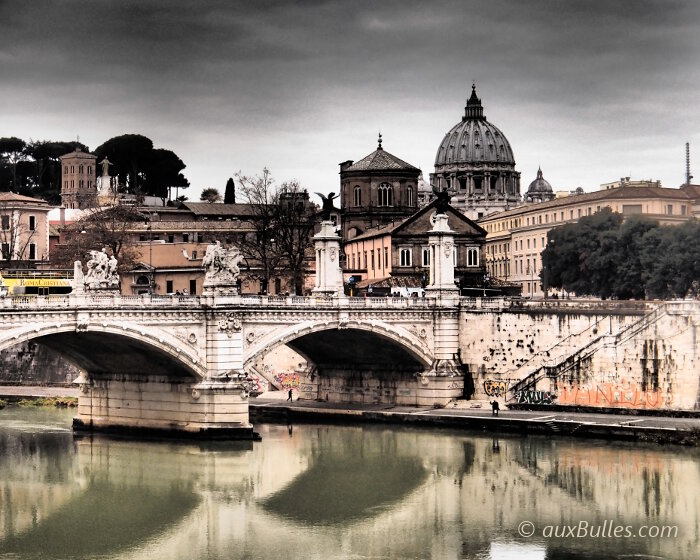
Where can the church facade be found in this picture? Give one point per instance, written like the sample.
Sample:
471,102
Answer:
378,189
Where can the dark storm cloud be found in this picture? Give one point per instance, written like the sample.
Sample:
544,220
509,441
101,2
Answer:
267,69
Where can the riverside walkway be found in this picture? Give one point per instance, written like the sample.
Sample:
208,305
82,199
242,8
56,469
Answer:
661,429
274,408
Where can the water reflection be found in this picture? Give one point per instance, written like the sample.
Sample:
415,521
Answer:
353,478
331,491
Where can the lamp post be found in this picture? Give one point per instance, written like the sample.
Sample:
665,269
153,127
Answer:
151,274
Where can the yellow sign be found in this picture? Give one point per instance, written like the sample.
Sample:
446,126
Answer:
37,282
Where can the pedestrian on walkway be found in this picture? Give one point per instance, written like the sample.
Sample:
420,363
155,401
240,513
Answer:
494,408
289,398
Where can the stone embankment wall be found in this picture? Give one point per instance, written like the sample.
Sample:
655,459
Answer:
32,363
647,361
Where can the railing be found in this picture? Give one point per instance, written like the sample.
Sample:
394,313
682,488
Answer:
326,302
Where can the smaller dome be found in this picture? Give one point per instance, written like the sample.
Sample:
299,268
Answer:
539,185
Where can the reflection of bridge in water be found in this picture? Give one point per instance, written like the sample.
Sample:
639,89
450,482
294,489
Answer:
181,363
323,488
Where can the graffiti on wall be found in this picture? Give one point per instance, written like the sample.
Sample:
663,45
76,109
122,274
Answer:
259,385
288,380
495,388
623,394
534,397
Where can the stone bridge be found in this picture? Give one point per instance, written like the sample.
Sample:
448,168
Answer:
182,363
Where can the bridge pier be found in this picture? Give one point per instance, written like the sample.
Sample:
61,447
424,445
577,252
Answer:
164,406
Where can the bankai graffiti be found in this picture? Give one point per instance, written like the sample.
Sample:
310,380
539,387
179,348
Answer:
623,395
495,388
287,380
534,397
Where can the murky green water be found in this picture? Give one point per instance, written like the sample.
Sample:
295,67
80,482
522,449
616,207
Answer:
315,491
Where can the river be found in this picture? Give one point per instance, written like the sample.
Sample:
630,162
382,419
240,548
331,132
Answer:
354,492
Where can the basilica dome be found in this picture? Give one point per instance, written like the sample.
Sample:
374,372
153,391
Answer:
539,190
474,139
539,185
475,164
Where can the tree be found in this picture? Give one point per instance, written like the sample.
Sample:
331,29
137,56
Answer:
230,192
11,153
102,227
282,223
163,170
259,244
46,164
210,195
296,224
604,256
141,167
129,154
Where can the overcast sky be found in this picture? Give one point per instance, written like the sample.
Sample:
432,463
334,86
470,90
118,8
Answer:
591,90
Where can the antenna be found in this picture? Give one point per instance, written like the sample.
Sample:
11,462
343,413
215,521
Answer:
688,176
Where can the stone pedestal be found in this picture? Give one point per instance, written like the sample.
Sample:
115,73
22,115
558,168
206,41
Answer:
442,268
164,406
329,276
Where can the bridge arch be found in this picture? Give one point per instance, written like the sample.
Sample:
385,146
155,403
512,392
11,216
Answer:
109,349
354,342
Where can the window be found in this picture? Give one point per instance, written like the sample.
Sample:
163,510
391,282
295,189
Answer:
669,209
357,196
683,210
32,251
80,169
472,256
409,196
365,260
6,251
185,237
168,286
379,258
193,287
385,195
89,169
405,256
65,169
32,223
194,254
579,212
571,212
371,255
171,238
72,168
386,257
454,255
588,212
6,222
528,243
562,215
426,256
631,209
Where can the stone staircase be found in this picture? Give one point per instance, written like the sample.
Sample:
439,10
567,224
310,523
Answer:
575,349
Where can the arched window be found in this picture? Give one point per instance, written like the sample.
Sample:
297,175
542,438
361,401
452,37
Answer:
385,195
357,196
409,196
